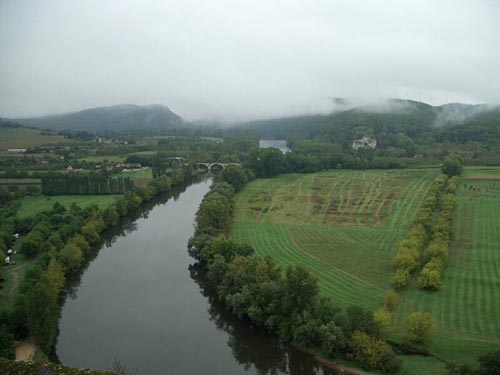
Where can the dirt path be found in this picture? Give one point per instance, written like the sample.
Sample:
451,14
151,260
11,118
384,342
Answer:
15,283
15,278
25,351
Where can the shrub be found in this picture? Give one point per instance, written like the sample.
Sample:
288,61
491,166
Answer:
383,318
71,256
332,338
400,278
372,353
437,249
404,260
430,279
489,364
389,361
391,300
419,326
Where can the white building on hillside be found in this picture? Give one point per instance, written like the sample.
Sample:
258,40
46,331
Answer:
365,142
274,143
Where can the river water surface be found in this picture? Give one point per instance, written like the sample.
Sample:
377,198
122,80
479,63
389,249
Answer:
141,301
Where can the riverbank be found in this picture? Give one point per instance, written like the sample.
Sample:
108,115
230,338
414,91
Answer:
285,302
60,240
9,367
25,350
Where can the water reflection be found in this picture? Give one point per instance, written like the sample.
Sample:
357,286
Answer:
136,300
126,226
251,346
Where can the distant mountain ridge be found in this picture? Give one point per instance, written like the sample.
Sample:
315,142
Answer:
115,118
396,116
410,117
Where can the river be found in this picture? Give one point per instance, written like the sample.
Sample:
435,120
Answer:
141,300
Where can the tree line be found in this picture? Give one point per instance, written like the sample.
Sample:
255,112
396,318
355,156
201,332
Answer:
61,239
410,249
430,233
84,183
438,250
270,162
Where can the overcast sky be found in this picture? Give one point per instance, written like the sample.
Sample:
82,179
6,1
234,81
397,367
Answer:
235,59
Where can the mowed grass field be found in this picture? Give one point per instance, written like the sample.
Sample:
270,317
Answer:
30,206
344,226
467,308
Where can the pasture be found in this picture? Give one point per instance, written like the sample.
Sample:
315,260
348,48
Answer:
343,226
467,308
26,138
140,177
32,205
139,174
103,158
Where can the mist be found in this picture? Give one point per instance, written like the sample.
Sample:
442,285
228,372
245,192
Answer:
242,60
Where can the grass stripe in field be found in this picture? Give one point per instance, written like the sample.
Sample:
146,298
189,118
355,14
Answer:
467,308
273,240
329,223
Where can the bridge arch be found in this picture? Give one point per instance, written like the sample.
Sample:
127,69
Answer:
222,165
208,166
203,166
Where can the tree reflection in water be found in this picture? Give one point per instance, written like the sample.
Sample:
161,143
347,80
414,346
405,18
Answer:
126,226
251,345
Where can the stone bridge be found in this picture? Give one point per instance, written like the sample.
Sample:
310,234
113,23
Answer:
208,166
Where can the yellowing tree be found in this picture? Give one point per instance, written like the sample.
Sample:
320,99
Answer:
419,326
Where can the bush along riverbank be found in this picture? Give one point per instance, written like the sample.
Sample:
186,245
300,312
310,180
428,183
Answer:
286,302
60,240
18,368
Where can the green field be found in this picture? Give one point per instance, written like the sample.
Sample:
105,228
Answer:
102,158
467,308
143,153
138,174
20,181
32,205
26,138
140,177
344,226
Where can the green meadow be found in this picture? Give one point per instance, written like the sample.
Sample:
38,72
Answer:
26,138
467,308
344,226
32,205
